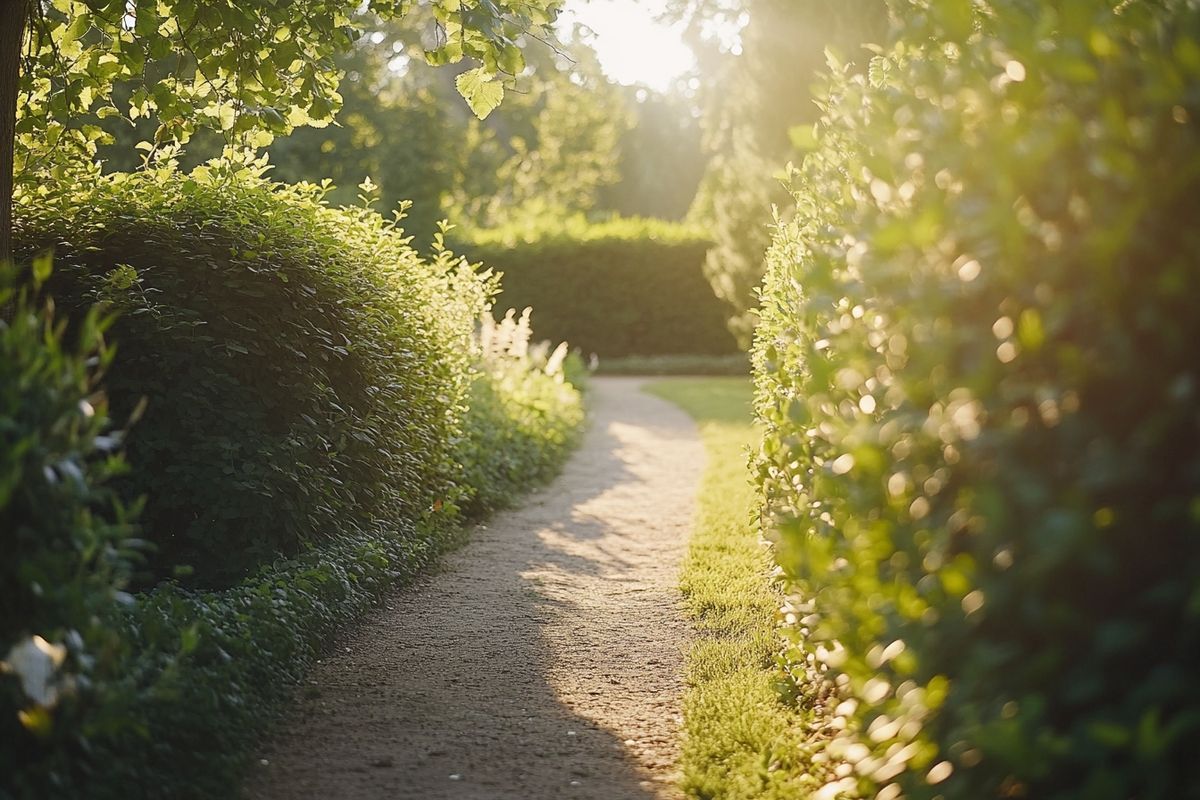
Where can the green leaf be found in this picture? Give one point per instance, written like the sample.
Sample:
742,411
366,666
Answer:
481,90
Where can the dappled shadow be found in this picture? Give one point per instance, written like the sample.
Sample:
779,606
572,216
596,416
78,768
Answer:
543,661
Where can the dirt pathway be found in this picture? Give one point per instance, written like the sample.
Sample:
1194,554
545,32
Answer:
543,661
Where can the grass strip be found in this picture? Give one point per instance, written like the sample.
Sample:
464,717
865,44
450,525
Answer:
740,739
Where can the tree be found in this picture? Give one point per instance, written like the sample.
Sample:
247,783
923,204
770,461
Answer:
760,98
251,70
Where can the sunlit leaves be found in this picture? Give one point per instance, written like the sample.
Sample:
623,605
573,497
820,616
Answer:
239,68
990,244
482,91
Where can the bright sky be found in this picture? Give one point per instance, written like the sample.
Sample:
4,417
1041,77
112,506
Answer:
632,46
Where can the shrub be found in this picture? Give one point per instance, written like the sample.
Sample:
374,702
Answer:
624,287
66,540
171,688
524,414
977,363
305,371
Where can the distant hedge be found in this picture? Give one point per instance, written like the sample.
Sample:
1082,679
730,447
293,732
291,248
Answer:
266,333
978,367
618,288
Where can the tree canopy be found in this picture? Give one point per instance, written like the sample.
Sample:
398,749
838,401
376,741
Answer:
253,69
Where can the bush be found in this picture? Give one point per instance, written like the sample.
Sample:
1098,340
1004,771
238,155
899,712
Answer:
66,540
164,694
624,287
977,363
524,414
305,371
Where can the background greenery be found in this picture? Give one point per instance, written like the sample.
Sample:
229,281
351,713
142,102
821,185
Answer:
616,288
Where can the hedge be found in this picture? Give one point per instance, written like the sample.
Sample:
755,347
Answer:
165,693
977,364
264,332
162,693
617,288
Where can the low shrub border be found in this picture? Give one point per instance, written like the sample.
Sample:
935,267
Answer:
108,694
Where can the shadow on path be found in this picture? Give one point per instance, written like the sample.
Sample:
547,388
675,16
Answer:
544,660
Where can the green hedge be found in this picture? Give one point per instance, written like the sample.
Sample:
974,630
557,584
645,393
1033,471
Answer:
978,366
164,694
264,332
618,288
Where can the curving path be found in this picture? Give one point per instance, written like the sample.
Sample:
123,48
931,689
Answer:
543,661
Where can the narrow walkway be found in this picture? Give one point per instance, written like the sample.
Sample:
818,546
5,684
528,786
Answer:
543,661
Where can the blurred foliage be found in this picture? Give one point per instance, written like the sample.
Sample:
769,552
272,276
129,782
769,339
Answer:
616,288
266,330
977,364
565,140
661,158
754,100
67,539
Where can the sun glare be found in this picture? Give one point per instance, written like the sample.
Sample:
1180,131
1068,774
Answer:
633,46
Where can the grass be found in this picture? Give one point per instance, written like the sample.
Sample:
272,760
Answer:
740,740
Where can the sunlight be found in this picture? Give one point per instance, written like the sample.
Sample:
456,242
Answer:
633,46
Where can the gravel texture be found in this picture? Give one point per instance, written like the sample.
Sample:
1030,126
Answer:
545,658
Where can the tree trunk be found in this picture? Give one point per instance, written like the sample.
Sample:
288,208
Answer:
13,14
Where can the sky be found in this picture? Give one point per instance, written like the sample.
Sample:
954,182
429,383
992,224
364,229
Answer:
633,47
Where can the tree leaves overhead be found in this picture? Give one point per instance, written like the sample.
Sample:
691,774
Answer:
251,70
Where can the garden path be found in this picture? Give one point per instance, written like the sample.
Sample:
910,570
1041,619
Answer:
543,661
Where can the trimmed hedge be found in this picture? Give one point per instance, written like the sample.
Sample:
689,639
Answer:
165,693
618,288
265,331
977,362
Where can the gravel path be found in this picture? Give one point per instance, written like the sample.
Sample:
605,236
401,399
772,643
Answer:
543,661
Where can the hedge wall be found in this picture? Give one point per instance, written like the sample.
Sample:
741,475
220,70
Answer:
264,333
286,350
978,367
618,288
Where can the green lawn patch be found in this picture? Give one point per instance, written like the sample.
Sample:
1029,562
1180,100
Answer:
740,740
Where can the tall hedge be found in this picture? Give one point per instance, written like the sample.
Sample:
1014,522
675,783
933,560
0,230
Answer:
164,692
978,368
303,371
618,288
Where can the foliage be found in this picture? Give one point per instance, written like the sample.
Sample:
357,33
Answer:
759,97
660,160
550,151
604,287
740,742
242,68
524,416
67,540
305,371
164,694
980,385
